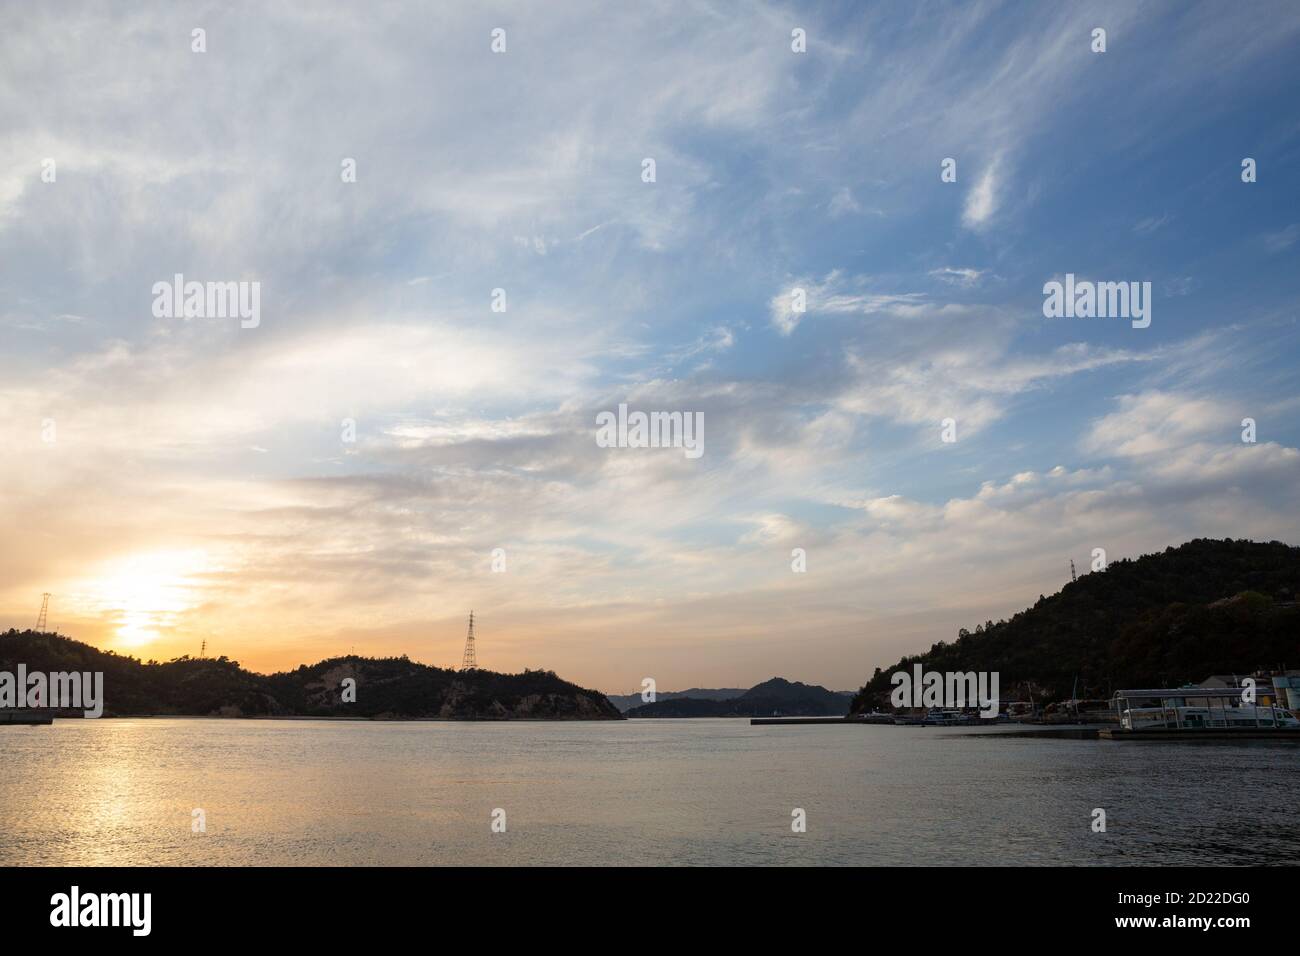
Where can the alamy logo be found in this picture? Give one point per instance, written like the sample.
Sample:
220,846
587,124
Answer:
179,299
683,430
1102,300
68,691
103,909
924,688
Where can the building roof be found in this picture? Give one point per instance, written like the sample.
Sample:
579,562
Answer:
1181,692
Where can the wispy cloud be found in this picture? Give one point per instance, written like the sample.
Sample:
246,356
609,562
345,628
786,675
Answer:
211,461
982,199
1151,224
1283,239
965,277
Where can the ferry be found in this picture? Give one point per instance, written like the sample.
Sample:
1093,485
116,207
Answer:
1194,718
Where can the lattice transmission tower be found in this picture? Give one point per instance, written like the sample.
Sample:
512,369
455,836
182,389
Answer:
45,608
470,662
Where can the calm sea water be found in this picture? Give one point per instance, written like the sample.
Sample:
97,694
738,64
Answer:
635,792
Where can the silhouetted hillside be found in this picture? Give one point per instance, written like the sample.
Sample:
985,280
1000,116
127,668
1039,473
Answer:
626,701
392,687
1164,619
775,696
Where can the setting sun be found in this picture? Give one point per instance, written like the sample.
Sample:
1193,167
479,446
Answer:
143,595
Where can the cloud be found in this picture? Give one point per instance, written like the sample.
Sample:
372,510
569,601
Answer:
475,428
835,294
843,203
964,277
982,199
1154,422
1145,227
1283,239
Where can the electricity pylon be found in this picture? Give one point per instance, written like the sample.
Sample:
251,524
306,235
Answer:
470,662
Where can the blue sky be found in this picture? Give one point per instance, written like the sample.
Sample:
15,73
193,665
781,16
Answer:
198,487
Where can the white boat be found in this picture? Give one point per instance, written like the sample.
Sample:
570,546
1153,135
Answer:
1192,718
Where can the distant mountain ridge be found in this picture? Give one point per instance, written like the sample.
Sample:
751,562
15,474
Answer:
391,688
626,701
775,696
1166,619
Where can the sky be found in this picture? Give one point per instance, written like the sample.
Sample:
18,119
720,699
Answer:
173,481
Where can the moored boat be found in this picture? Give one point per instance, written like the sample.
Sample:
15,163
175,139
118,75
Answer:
1198,708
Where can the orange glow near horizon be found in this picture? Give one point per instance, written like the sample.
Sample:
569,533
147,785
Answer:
143,595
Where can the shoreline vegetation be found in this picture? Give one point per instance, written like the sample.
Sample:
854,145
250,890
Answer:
1168,619
342,688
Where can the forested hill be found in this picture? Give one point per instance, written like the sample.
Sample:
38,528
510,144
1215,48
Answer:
393,688
1207,607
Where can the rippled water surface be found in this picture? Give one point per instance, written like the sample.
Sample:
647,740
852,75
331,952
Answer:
633,792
